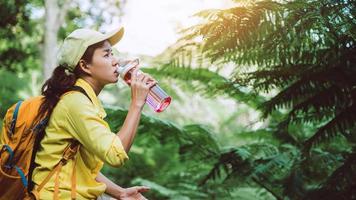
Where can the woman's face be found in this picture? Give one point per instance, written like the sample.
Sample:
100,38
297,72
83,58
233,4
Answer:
103,65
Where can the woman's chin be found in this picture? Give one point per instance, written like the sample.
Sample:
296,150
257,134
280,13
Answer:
115,80
110,81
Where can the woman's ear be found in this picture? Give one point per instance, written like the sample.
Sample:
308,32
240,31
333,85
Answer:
84,66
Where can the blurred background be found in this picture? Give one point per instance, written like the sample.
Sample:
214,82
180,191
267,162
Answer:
263,91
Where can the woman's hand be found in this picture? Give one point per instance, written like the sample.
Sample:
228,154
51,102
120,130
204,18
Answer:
133,193
140,87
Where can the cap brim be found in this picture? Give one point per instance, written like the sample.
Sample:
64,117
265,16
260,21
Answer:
115,36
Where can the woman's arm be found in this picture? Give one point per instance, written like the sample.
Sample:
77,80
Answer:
111,188
122,193
140,86
129,128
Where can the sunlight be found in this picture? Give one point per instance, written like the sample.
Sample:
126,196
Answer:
153,25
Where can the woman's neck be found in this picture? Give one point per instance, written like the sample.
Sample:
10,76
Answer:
97,87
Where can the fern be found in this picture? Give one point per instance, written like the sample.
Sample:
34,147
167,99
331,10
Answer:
211,83
341,184
303,48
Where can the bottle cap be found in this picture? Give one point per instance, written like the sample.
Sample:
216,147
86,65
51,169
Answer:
125,66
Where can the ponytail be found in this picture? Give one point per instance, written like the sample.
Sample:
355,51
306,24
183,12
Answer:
59,83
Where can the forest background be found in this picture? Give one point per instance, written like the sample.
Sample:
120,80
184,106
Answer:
263,95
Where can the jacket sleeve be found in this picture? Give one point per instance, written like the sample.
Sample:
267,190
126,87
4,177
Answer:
93,132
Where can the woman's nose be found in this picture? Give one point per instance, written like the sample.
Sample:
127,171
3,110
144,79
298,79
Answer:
115,61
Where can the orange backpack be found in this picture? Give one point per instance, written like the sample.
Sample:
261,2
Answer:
18,137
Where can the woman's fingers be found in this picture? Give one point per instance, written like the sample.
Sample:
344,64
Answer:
151,84
148,82
138,76
150,77
142,189
142,81
134,75
145,79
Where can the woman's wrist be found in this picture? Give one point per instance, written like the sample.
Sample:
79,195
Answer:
136,106
118,192
112,189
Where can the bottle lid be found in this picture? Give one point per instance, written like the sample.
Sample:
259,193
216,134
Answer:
125,66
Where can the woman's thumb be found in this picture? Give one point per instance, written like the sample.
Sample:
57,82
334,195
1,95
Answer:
142,188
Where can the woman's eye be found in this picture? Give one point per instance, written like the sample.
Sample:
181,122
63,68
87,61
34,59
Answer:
108,54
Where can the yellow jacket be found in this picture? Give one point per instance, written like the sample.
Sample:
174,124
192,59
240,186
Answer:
76,117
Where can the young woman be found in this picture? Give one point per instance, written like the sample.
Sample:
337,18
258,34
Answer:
85,61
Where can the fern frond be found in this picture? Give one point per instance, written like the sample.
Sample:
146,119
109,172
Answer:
343,121
341,183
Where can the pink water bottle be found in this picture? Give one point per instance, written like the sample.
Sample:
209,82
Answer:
157,99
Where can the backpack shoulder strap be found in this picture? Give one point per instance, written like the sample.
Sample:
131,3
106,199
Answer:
14,118
81,90
68,154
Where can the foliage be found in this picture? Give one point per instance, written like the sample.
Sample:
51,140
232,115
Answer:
10,83
18,44
291,62
165,156
303,51
302,48
341,184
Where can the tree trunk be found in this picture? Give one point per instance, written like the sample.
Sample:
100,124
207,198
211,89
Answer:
54,17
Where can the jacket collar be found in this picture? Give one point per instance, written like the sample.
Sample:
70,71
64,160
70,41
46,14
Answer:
91,93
